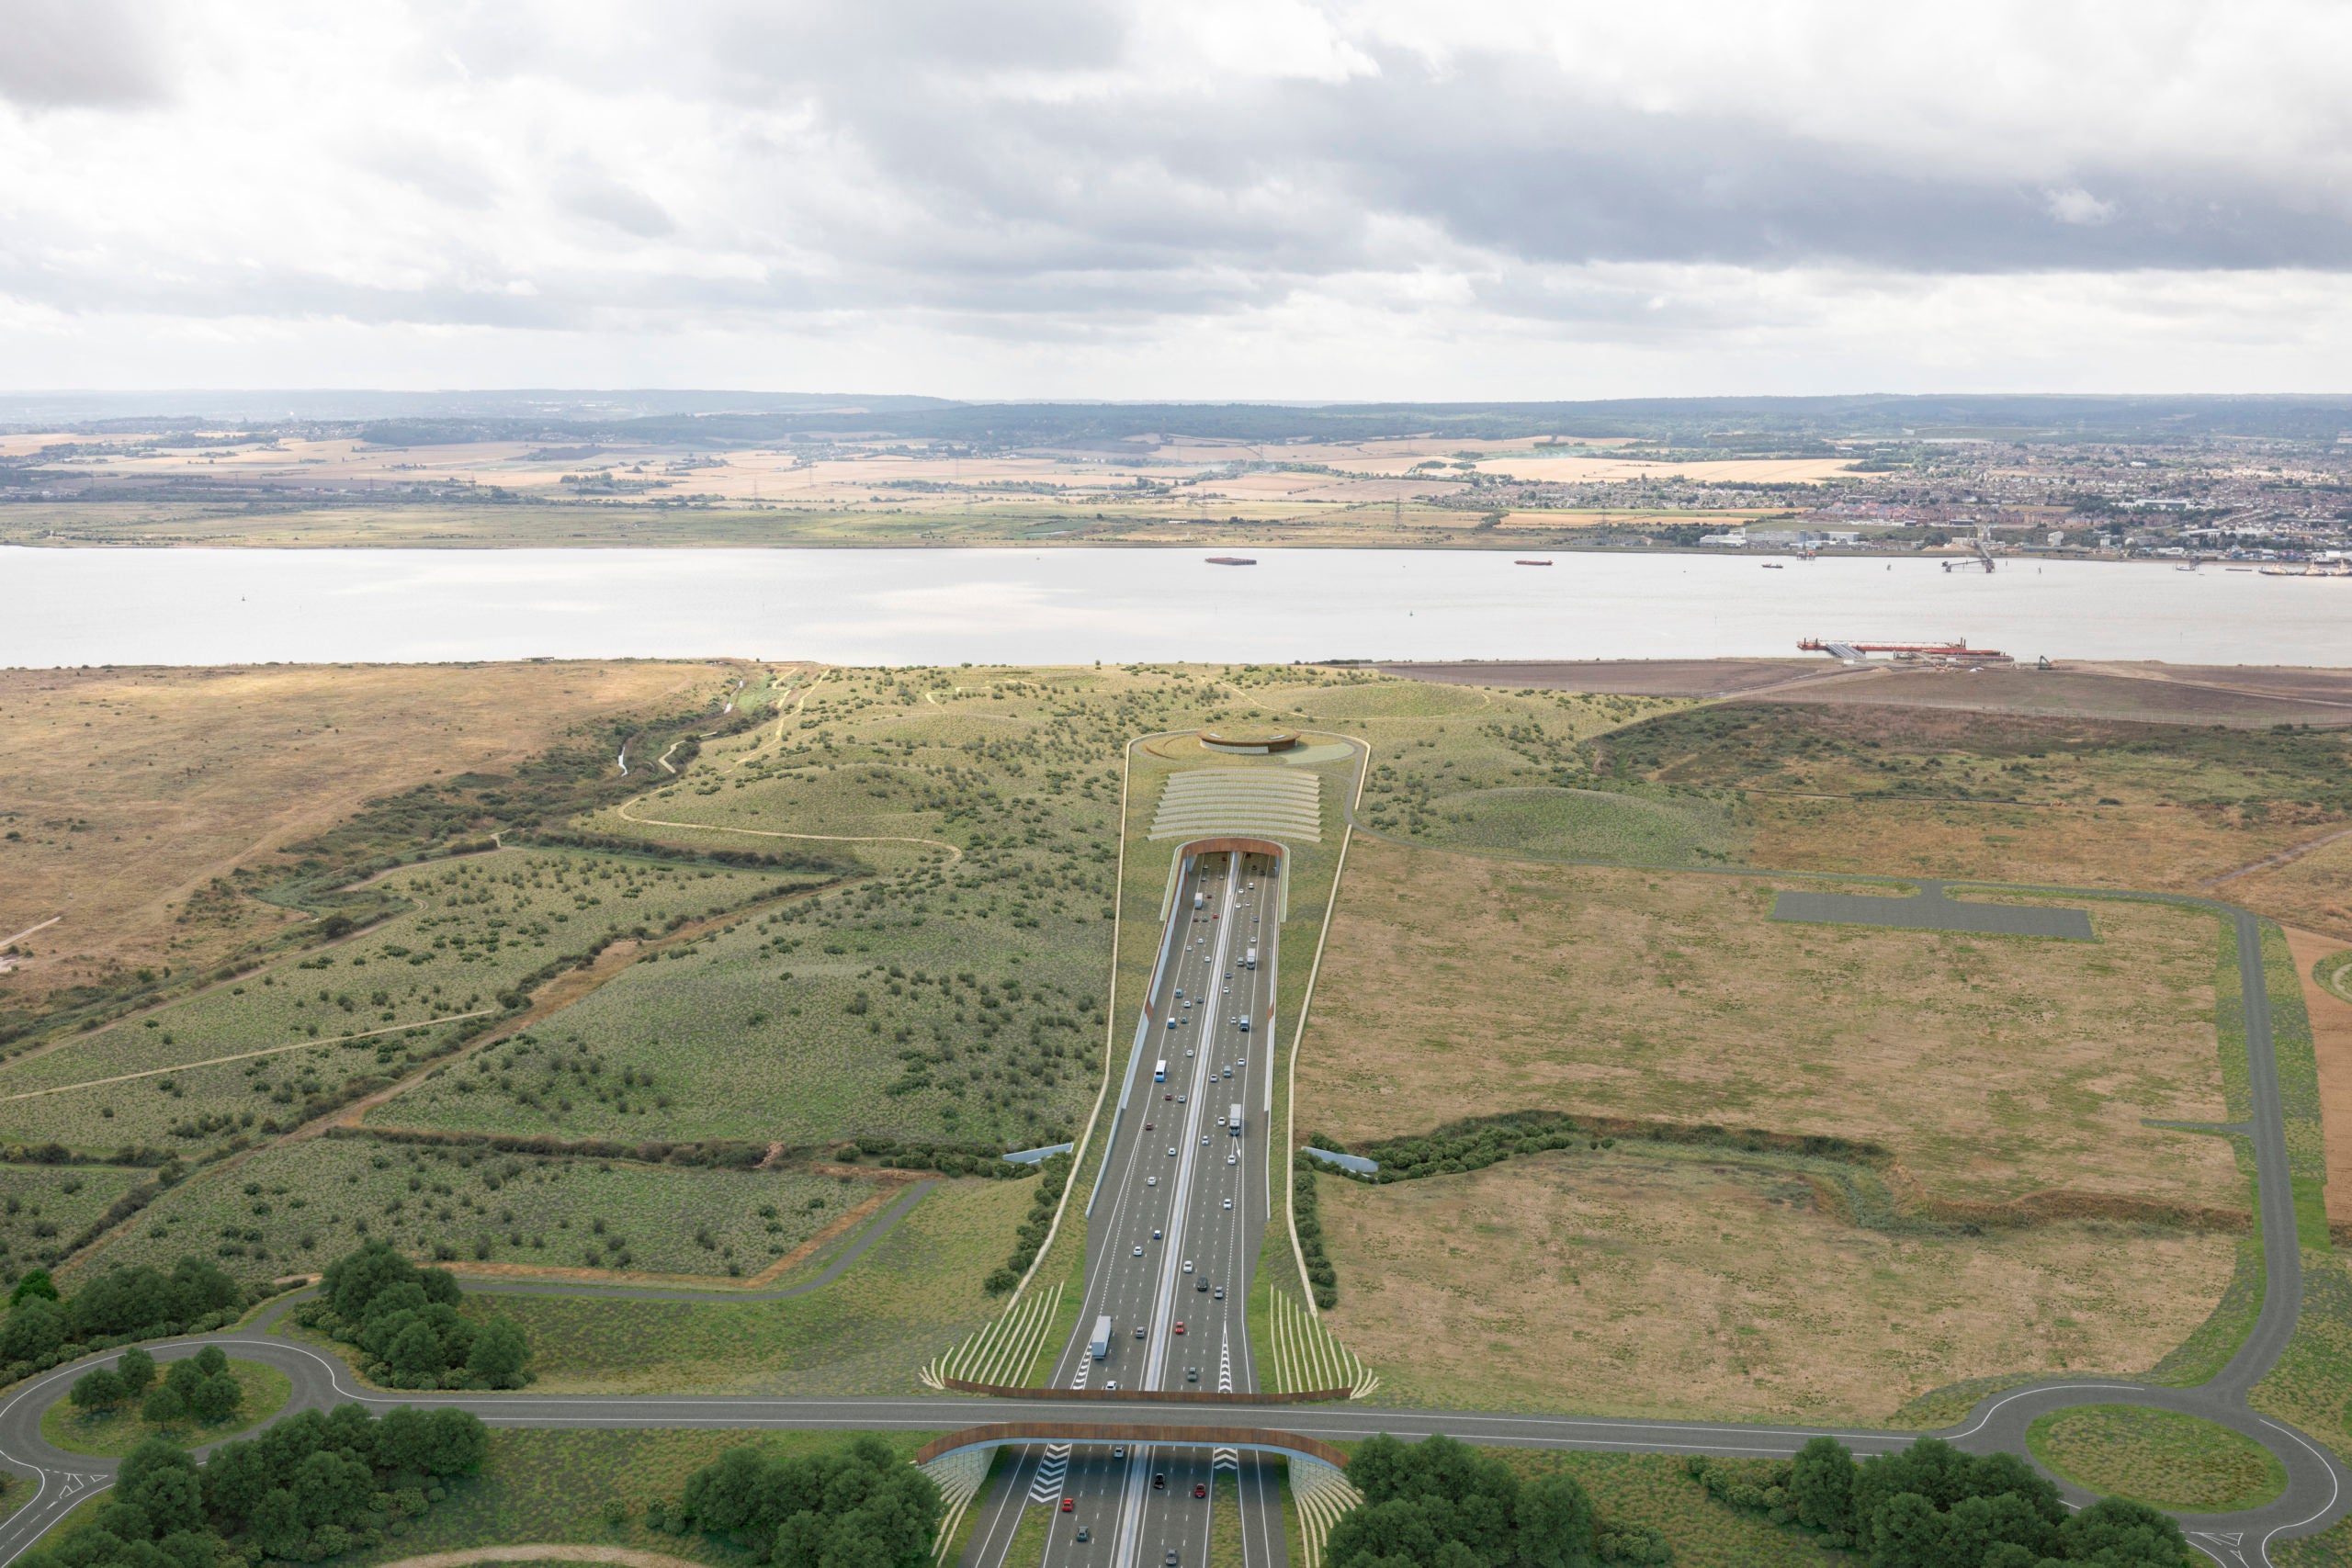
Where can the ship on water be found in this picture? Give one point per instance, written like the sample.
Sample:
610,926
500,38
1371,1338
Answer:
1232,560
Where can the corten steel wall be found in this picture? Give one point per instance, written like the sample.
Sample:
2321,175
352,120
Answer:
1109,1432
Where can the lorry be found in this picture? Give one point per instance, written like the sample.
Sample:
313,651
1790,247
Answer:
1233,1122
1250,962
1244,1023
1159,1073
1099,1346
1200,900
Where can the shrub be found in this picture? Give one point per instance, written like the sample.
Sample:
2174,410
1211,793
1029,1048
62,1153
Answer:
1437,1502
406,1319
853,1504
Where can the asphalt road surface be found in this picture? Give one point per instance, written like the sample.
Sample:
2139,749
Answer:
1183,1195
1173,1227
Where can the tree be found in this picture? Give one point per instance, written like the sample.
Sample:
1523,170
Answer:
35,1284
97,1390
352,1283
500,1353
2118,1534
36,1327
163,1406
1821,1485
136,1368
1555,1522
217,1398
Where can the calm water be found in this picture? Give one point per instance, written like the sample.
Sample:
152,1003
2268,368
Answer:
1070,607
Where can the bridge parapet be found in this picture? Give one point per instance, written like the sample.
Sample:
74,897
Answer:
1258,1438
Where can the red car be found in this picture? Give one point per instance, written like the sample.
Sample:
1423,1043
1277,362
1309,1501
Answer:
1180,1325
1199,1490
1070,1504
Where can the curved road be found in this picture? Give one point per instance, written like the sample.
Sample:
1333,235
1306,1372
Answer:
2319,1488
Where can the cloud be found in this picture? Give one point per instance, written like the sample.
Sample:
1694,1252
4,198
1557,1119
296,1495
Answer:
1041,176
77,53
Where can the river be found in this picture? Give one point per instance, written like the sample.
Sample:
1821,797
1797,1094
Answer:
1077,605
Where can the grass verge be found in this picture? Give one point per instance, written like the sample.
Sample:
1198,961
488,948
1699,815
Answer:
113,1432
2158,1457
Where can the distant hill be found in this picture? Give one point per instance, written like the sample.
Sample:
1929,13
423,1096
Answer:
726,418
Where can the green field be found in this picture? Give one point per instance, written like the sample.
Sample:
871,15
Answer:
915,1291
800,1028
300,1205
2159,1457
1543,822
375,1004
44,1207
116,1431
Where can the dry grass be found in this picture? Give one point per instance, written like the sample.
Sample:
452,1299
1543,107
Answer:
1992,1067
2314,891
1636,1285
2150,846
133,789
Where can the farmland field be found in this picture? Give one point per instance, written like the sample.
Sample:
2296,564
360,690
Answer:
137,796
376,1003
44,1207
915,1291
298,1206
1681,1284
1990,1067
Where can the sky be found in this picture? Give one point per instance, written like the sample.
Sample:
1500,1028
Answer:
1444,199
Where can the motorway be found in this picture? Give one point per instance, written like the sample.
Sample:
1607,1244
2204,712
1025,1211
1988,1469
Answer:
1183,1195
1173,1227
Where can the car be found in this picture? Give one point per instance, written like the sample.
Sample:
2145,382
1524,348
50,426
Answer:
1226,992
1205,1137
1180,1325
1151,1182
1070,1504
1172,1151
1119,1451
1228,1202
1200,1285
1138,1330
1160,1483
1138,1250
1148,1126
1179,1098
1199,1490
1180,990
1192,1374
1220,1296
1171,1559
1228,1072
1155,1233
1188,1266
1082,1537
1241,1061
1167,1096
1233,1159
1113,1385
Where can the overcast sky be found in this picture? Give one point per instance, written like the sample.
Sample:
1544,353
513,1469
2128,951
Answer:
1396,199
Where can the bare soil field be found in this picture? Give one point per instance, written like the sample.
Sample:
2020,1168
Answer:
1991,1067
1634,1285
124,793
1636,677
2243,696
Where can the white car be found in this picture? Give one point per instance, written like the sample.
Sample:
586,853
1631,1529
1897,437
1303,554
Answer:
1172,1151
1138,1252
1205,1137
1233,1159
1151,1182
1188,1266
1228,1202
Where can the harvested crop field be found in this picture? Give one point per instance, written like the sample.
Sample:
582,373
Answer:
1990,1067
298,1206
1642,1285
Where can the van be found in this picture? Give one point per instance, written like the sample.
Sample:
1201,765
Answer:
1200,900
1244,1023
1159,1073
1250,962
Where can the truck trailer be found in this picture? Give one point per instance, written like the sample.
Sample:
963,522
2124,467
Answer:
1099,1346
1233,1122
